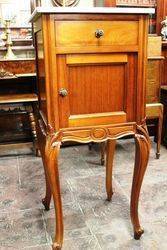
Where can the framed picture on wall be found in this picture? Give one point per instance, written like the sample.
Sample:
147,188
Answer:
105,3
134,3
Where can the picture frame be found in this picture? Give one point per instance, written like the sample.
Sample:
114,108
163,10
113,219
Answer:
104,3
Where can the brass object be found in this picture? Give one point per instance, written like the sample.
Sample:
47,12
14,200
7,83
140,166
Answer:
99,33
5,74
7,37
63,92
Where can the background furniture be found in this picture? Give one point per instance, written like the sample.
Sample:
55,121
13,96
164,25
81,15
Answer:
17,82
154,109
164,101
164,64
160,14
89,90
17,101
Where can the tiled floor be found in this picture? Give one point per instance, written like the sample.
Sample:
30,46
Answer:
90,221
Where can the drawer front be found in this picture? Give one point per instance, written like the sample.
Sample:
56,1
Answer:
83,33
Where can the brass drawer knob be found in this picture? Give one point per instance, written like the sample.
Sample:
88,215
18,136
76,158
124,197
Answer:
63,92
99,33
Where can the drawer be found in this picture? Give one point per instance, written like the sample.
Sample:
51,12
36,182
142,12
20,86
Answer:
82,33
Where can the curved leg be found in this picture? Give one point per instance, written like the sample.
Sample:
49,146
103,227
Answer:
159,133
46,201
103,151
51,153
90,146
141,160
109,167
48,195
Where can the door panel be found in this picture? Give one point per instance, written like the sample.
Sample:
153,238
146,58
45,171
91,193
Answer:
97,88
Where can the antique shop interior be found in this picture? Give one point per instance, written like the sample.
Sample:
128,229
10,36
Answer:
83,124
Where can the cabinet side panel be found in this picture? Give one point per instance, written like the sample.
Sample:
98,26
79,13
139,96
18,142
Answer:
41,73
142,70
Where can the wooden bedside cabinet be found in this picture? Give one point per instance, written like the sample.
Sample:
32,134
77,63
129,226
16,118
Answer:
91,80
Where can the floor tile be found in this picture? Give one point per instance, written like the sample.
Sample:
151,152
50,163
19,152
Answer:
30,170
9,175
90,221
24,229
74,222
86,243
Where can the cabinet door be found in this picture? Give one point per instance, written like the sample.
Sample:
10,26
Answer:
96,89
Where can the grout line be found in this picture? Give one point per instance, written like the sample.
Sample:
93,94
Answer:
18,169
32,247
48,237
94,236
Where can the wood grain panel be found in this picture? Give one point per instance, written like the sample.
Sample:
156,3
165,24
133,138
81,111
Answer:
161,13
96,119
96,88
94,58
153,81
82,33
18,66
131,94
97,49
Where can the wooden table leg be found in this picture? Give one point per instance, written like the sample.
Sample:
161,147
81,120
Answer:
48,195
34,132
51,156
46,201
103,152
159,132
141,160
109,167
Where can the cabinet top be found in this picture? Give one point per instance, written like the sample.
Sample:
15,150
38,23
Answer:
94,10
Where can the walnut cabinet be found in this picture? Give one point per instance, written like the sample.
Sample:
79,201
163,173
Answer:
91,67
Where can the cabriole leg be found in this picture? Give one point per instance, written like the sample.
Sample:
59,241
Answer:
103,152
48,195
159,134
51,153
141,161
46,201
109,167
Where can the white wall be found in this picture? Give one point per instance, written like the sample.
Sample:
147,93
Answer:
19,10
86,3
